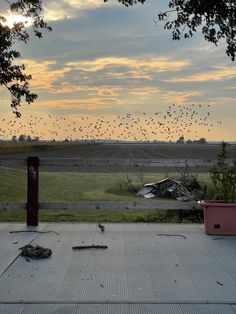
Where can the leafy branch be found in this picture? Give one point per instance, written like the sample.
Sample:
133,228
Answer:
12,76
183,18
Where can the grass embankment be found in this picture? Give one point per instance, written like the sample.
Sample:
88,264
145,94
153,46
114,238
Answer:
72,187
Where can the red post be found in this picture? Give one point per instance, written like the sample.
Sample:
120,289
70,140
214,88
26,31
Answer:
32,191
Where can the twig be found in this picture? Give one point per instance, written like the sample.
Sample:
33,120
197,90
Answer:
81,247
219,283
171,235
18,231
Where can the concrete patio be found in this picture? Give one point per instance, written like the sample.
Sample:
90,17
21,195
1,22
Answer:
147,268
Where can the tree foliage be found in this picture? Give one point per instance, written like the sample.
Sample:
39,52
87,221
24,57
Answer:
12,75
223,176
215,18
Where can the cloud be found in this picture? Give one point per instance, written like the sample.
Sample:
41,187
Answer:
42,76
107,84
155,64
184,97
215,74
144,91
112,71
68,9
90,104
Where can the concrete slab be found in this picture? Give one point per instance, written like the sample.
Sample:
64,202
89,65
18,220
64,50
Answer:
10,242
169,268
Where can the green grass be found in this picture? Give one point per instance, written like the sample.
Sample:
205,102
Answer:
73,186
82,186
67,186
155,216
86,186
12,185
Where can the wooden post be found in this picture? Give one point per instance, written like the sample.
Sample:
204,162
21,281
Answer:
32,191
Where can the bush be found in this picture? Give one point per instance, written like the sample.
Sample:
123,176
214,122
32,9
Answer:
223,176
171,216
123,187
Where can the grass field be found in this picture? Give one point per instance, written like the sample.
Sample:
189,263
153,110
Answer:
86,186
78,186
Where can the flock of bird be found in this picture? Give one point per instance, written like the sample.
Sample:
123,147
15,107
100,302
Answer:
175,121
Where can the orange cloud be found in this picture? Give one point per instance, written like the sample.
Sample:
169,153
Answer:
180,97
46,78
80,104
138,65
145,91
42,76
217,74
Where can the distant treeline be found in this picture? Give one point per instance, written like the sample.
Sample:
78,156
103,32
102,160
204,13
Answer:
181,140
28,139
25,138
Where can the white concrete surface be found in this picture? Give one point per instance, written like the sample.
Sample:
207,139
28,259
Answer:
147,268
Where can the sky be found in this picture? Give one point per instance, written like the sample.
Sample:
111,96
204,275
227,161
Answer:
110,72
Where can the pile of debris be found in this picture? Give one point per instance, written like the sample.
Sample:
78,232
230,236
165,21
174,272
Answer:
180,188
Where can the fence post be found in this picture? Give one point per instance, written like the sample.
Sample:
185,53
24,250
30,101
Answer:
32,191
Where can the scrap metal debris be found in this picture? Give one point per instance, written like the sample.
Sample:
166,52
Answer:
145,190
35,252
93,246
149,195
181,188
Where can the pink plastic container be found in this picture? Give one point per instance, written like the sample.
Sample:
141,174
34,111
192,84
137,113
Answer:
219,217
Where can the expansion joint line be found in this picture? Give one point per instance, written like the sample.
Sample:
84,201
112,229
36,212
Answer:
130,302
6,269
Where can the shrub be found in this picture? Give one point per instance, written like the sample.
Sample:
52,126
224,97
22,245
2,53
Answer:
223,176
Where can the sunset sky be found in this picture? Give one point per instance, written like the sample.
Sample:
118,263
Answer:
104,62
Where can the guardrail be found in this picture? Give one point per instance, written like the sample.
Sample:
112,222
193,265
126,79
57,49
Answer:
33,205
